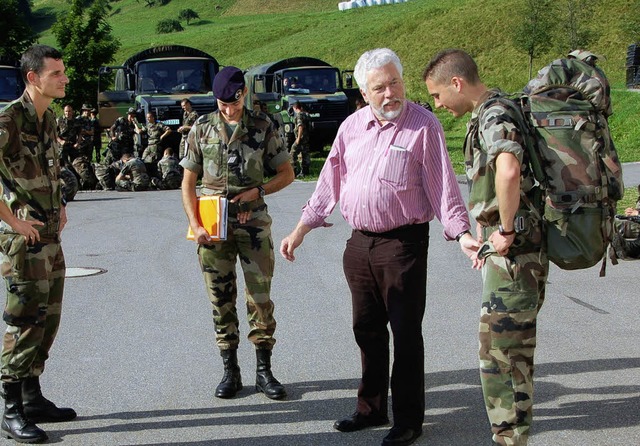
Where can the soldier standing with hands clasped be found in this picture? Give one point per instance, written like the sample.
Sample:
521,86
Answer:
230,149
33,215
514,265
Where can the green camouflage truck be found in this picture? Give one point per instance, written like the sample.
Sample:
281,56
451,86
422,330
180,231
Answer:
326,92
11,84
157,79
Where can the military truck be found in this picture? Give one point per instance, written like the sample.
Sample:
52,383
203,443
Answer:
326,92
157,79
11,84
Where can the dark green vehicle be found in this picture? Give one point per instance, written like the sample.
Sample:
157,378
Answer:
11,84
157,79
326,93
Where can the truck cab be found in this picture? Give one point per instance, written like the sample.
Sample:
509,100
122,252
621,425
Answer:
157,80
11,84
317,85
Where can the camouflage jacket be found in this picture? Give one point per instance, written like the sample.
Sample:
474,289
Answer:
30,167
231,165
124,131
136,171
155,131
68,129
169,165
85,132
492,130
188,119
302,120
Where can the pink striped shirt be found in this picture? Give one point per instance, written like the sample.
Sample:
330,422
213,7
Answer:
389,176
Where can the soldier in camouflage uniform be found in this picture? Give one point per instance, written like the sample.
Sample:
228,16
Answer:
123,132
230,148
86,174
133,175
68,130
512,256
156,132
188,119
170,171
32,216
97,137
300,147
85,134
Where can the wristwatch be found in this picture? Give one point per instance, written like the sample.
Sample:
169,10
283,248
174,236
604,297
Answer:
503,232
261,192
459,236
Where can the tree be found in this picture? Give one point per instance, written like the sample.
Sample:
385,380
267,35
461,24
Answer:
574,16
167,26
17,35
86,41
188,15
533,34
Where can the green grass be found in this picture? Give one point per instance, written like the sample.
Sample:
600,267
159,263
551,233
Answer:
250,32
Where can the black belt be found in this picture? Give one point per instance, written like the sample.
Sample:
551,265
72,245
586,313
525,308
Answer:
417,231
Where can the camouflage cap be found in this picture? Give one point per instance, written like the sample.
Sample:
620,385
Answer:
228,84
584,55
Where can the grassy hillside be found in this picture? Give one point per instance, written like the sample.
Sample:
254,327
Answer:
249,32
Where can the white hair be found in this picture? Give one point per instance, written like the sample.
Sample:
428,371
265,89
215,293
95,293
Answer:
374,59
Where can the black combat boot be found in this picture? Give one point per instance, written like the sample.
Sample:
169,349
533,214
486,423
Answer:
265,382
39,409
14,422
231,381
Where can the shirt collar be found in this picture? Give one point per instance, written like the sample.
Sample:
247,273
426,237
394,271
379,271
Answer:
372,120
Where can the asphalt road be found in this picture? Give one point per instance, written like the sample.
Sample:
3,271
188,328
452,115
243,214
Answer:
135,354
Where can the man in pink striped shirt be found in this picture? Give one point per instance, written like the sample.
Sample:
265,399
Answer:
391,172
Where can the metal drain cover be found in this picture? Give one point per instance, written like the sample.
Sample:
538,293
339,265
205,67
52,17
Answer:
84,272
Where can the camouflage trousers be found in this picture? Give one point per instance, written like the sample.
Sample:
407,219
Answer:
513,292
252,244
34,278
139,184
301,151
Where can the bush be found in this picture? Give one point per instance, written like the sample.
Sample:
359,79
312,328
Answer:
167,26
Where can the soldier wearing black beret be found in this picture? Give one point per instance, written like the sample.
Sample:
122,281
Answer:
230,149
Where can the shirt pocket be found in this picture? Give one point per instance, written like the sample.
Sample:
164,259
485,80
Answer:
213,156
394,170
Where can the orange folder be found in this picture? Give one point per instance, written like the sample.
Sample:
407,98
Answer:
212,215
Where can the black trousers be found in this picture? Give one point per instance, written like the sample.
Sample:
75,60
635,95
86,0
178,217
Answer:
387,276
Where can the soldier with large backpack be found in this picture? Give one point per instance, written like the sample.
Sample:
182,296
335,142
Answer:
510,247
544,172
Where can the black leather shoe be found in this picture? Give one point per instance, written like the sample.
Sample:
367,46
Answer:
357,422
401,436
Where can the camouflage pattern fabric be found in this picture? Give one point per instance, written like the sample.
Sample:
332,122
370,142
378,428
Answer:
513,285
34,275
188,119
302,148
138,179
251,243
85,136
228,166
69,183
68,130
513,292
106,176
97,138
125,133
569,104
153,152
170,173
85,171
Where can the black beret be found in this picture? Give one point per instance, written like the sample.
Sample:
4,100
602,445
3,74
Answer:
228,84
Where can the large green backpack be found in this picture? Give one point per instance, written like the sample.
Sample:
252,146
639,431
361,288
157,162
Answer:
573,157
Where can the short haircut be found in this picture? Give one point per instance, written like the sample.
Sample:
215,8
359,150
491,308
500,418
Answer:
372,60
451,63
152,113
185,100
33,59
298,105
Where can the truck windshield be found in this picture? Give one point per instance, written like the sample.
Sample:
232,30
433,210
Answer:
11,85
311,80
175,76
